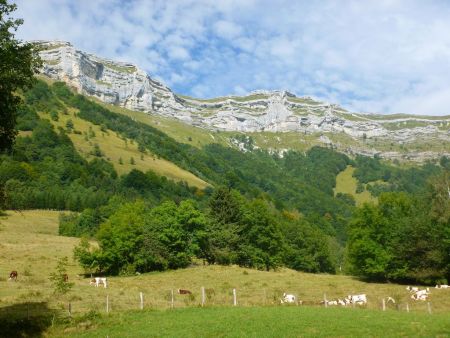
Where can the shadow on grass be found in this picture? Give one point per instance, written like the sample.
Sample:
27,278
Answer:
29,319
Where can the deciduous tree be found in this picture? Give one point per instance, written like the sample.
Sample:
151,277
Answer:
18,63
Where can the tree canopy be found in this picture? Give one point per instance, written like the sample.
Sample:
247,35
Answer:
18,63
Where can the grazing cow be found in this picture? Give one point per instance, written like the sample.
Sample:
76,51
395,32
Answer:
412,288
357,299
184,292
13,275
287,298
99,280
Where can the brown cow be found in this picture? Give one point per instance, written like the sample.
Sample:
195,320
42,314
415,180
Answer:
13,275
184,292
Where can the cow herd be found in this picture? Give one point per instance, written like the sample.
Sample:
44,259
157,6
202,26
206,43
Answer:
417,294
361,299
349,300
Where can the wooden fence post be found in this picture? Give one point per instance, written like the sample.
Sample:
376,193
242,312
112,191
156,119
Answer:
107,303
203,296
171,304
429,308
325,300
383,304
141,296
234,297
70,310
407,307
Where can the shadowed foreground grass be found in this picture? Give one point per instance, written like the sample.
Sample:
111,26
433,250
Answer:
290,321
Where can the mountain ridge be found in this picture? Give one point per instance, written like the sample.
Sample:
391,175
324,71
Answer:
278,111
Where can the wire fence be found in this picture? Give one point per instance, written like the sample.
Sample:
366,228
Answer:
110,302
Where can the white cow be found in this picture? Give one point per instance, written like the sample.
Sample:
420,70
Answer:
416,296
412,288
288,298
442,286
421,294
357,299
99,280
342,302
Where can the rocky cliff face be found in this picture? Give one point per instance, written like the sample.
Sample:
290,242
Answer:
128,86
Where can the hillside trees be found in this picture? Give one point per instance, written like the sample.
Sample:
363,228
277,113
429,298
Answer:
303,182
404,238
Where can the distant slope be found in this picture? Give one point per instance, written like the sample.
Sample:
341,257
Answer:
116,149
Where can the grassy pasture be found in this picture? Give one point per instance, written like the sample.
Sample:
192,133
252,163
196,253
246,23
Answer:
346,183
289,321
30,245
115,148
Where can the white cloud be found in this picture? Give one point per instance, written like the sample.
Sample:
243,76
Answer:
227,29
178,53
385,56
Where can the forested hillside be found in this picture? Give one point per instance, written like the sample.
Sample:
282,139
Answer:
261,210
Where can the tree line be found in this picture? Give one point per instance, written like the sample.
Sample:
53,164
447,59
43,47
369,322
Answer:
231,230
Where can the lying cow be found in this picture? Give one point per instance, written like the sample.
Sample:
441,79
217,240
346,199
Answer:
13,275
442,286
357,299
99,280
330,302
184,292
412,288
288,298
342,302
421,294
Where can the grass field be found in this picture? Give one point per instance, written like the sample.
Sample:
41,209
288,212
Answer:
289,321
115,148
30,245
346,183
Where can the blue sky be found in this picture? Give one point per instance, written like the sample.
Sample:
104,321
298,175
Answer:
383,56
